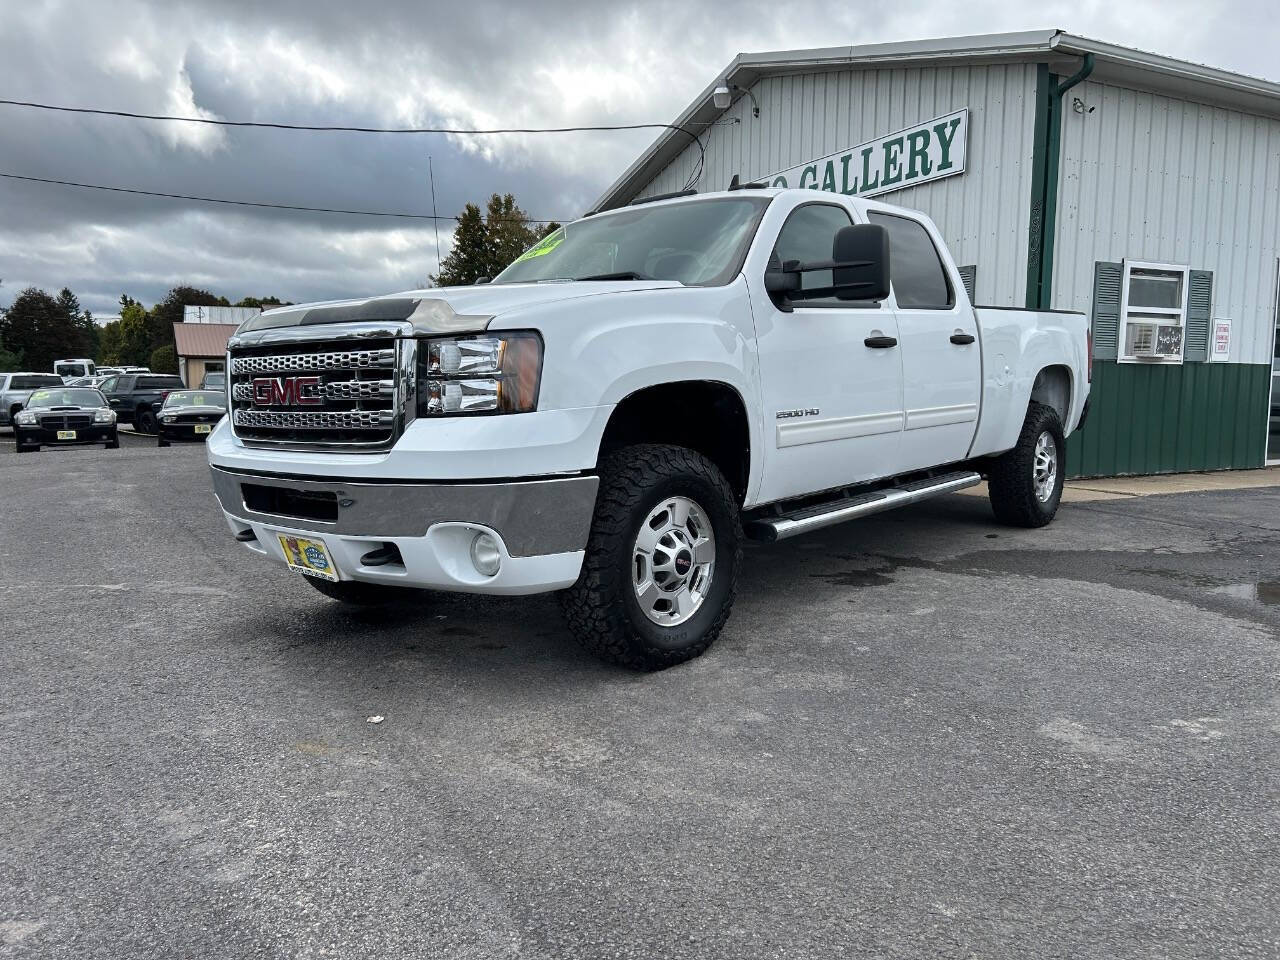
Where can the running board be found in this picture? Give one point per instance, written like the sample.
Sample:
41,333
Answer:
829,514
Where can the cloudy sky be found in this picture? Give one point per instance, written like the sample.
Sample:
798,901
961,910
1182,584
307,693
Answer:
404,63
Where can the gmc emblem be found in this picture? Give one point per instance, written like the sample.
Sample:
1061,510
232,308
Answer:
286,391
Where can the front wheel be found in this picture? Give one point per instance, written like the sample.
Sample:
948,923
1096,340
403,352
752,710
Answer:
1025,484
661,565
145,422
161,442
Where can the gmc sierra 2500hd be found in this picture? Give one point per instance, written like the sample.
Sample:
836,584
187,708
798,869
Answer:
629,399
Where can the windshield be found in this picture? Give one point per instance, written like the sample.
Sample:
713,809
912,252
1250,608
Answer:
195,398
71,397
214,380
701,243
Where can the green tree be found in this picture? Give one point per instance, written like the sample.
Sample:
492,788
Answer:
164,359
168,311
485,245
82,322
8,359
131,339
264,302
40,329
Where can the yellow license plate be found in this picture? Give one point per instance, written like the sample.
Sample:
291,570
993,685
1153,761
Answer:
66,434
202,428
308,556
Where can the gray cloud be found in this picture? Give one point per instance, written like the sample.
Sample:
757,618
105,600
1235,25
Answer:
402,63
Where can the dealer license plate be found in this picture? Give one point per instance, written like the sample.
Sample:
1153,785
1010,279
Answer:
202,428
308,556
66,434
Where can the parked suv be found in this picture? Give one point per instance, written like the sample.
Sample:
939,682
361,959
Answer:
15,389
136,397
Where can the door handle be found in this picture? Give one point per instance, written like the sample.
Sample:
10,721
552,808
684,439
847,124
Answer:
962,338
881,342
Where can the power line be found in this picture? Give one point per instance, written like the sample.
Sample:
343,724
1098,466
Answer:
246,203
211,121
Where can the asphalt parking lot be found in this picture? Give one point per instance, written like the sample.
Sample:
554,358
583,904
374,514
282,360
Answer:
920,735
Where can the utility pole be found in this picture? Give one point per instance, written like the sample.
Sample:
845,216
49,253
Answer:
435,219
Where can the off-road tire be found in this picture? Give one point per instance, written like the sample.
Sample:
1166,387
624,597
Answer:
1011,484
601,609
357,593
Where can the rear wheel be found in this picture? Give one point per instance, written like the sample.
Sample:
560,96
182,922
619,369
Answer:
146,422
661,565
1025,484
357,593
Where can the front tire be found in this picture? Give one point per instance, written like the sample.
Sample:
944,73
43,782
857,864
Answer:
145,422
161,442
1025,483
661,566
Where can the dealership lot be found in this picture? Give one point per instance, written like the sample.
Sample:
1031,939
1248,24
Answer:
920,734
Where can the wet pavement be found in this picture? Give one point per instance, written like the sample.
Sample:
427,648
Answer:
920,735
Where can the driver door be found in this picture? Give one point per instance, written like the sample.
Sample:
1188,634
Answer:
831,374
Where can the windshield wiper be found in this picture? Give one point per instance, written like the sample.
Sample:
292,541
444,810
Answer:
622,275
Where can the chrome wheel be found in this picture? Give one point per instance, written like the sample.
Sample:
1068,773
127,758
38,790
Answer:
1045,468
673,561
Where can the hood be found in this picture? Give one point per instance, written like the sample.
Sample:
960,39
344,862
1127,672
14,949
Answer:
446,309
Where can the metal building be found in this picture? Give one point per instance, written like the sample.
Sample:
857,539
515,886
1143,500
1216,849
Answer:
1064,173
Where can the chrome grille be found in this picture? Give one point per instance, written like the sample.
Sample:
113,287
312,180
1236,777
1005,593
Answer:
322,420
355,404
310,362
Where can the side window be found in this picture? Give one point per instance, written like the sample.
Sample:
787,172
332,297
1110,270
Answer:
108,385
809,235
916,272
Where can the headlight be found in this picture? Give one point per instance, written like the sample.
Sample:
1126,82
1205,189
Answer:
167,417
104,416
24,417
482,374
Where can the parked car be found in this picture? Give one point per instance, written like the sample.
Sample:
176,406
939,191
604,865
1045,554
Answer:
136,397
70,370
105,372
213,380
87,381
15,388
65,415
189,415
761,361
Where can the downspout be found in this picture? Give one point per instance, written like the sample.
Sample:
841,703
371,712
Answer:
1046,151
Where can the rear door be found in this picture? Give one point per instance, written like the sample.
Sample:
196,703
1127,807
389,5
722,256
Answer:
831,378
938,334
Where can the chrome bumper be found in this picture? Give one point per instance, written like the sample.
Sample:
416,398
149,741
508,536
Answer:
533,517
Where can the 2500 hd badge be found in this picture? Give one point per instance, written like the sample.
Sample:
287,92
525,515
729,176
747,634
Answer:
597,420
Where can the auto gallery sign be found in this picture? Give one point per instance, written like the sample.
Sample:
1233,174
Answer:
919,154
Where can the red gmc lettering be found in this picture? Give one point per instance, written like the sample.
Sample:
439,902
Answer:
286,391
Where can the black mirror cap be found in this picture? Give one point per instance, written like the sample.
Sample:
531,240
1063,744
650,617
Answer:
778,282
866,246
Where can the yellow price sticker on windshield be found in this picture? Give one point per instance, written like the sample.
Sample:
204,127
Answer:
543,246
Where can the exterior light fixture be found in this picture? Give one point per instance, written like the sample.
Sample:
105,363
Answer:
721,97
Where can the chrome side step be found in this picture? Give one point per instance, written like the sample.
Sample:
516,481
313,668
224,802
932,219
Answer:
829,514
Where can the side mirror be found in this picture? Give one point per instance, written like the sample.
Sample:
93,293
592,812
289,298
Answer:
862,252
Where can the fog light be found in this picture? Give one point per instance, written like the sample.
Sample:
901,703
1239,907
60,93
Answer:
485,555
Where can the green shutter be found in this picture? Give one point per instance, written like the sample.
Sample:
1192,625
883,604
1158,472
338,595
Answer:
1106,309
969,277
1199,306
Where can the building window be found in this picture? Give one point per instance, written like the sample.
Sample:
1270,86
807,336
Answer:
1153,312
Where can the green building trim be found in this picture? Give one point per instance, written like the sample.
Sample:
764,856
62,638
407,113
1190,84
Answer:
1171,418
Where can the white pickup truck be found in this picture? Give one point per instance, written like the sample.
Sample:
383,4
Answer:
629,399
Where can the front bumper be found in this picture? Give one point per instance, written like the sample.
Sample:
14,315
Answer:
541,526
181,431
98,433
